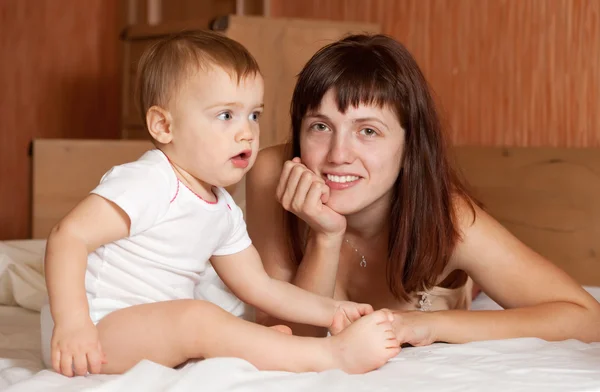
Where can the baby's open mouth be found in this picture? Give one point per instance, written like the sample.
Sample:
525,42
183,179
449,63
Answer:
243,155
241,159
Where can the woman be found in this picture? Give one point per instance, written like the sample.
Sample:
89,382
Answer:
365,206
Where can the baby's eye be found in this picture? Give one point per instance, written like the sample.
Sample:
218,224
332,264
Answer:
368,132
255,116
226,116
320,127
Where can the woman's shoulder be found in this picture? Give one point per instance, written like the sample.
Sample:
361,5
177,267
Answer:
466,211
268,166
477,230
274,154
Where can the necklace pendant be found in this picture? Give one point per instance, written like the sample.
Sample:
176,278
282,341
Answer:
363,261
424,303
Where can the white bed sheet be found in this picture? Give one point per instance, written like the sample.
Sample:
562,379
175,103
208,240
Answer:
516,365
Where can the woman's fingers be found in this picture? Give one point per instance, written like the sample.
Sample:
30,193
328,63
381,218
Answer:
303,193
304,184
292,184
313,198
283,178
325,193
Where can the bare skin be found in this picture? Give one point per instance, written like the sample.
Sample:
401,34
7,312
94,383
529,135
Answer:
508,271
177,331
198,135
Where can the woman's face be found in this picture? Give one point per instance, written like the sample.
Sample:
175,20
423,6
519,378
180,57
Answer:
358,153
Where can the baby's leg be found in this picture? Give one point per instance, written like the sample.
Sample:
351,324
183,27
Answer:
172,332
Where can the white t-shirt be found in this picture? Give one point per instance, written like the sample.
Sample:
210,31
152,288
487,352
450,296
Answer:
173,234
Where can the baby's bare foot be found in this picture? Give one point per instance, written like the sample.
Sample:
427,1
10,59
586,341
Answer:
366,344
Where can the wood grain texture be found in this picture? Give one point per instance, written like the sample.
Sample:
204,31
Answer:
549,198
66,170
505,72
281,48
59,77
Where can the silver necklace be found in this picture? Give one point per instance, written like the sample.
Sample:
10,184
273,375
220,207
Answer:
363,260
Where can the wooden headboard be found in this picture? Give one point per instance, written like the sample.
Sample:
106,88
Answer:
65,171
548,197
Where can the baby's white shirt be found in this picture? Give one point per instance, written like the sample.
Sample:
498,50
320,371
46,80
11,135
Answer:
173,235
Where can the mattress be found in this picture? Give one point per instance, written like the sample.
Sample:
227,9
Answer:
526,364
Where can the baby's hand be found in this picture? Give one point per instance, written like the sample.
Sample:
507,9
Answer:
76,349
346,313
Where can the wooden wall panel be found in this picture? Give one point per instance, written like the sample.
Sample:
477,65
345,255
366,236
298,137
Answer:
506,72
156,12
59,77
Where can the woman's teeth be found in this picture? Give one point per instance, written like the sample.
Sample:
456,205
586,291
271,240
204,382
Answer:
341,179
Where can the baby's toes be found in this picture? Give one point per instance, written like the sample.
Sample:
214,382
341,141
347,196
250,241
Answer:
393,351
379,317
392,342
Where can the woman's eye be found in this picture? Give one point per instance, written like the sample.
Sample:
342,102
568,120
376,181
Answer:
225,116
368,132
320,127
255,116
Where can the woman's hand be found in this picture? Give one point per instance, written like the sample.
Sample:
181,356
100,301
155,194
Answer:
415,328
305,194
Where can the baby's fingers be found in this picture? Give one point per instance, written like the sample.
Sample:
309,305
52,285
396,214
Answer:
55,355
95,359
365,309
66,364
102,354
80,364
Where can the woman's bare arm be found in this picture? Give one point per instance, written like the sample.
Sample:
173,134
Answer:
541,300
265,218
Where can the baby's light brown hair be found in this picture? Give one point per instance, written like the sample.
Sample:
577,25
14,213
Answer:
166,64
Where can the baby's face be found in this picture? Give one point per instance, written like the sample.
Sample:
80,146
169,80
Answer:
215,125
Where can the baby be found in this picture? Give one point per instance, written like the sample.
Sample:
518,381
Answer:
136,270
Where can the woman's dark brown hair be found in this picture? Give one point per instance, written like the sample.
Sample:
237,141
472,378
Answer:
423,228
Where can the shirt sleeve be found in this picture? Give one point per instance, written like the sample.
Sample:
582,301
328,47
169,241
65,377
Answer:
238,238
141,189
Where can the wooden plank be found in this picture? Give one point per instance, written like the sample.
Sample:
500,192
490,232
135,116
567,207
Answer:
60,78
549,198
507,73
145,31
282,46
65,171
